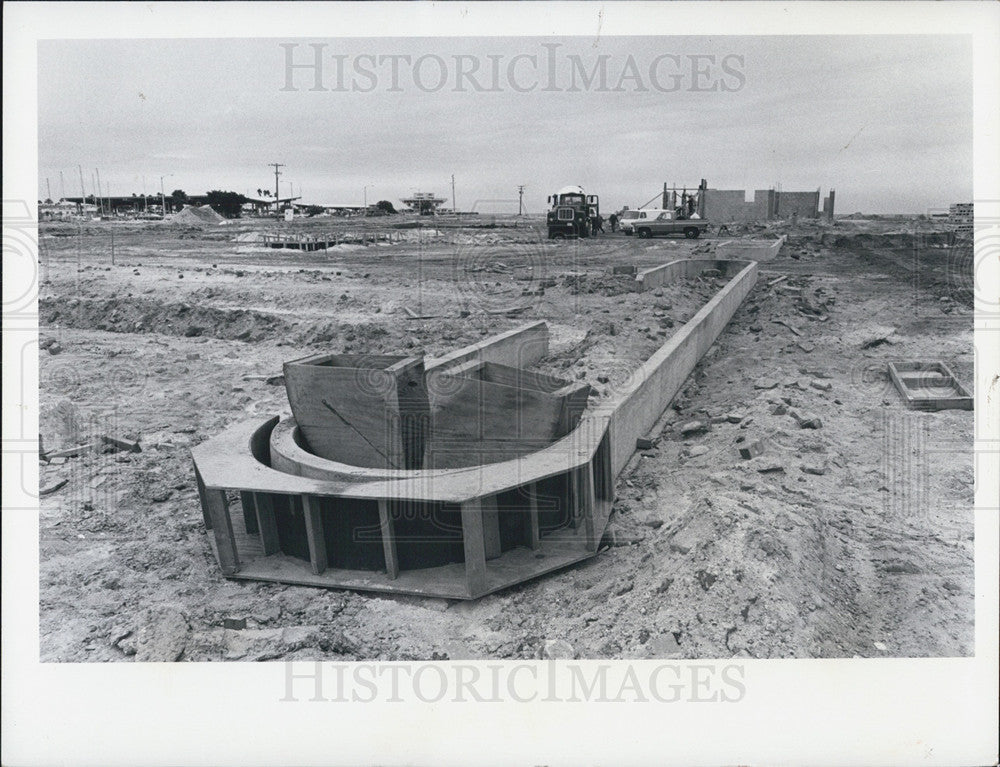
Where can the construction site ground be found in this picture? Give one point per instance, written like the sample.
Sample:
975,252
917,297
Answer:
851,534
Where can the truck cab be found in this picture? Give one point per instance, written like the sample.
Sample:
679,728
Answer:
572,213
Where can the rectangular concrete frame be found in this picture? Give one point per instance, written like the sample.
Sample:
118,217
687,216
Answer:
755,250
590,458
929,385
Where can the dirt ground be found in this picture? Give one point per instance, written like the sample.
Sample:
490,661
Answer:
851,539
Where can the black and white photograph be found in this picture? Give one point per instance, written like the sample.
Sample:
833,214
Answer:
548,356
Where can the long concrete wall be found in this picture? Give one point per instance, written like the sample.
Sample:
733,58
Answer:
801,204
730,205
680,270
752,250
521,347
659,379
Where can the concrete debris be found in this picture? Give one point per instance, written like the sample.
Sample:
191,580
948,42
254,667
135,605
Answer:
812,468
694,427
120,443
236,624
71,452
752,450
768,468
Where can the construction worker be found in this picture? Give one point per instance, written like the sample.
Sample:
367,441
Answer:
613,220
598,224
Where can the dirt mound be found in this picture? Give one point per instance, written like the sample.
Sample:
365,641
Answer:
140,315
907,240
194,215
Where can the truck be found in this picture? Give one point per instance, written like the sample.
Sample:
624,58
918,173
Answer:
667,222
572,213
629,218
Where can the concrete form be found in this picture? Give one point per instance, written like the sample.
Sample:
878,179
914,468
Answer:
456,533
929,385
756,250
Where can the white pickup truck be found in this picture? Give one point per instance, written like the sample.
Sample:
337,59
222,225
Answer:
630,218
664,223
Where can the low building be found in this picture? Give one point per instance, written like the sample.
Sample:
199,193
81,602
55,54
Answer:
424,203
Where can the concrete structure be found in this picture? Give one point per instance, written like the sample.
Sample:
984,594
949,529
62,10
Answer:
725,206
828,206
929,385
800,204
456,533
751,250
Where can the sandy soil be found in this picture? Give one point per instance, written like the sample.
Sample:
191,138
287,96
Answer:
851,539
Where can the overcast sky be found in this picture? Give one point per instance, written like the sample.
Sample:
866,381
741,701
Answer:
886,121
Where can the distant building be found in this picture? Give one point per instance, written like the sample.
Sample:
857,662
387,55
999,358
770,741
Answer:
333,208
64,210
424,203
961,218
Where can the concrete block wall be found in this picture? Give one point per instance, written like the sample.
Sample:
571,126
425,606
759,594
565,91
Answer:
730,205
727,205
828,206
801,204
763,204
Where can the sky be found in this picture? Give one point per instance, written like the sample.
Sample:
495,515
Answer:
884,120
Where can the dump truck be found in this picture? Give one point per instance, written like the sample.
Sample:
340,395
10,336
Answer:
572,213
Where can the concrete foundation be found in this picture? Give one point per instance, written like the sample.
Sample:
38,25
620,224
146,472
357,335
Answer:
752,250
456,533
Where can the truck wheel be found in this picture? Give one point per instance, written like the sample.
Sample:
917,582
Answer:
643,234
691,233
557,236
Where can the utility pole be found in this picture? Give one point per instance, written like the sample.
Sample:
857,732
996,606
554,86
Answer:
277,193
83,192
454,204
48,189
101,199
62,186
520,200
